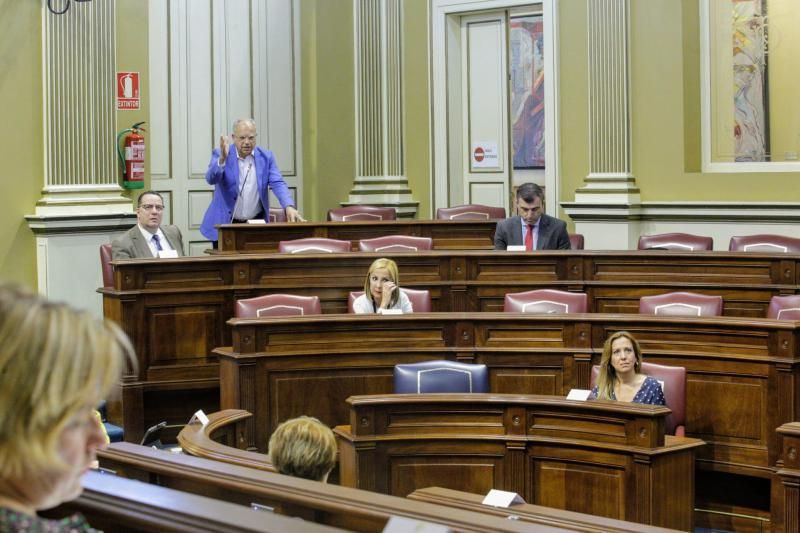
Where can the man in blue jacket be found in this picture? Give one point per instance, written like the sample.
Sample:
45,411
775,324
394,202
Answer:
242,175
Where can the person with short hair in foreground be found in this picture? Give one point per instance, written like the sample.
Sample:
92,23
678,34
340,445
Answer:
303,447
381,290
56,364
620,373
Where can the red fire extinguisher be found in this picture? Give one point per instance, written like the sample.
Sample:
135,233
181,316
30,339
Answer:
133,160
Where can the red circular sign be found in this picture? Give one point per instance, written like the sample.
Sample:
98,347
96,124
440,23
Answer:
478,154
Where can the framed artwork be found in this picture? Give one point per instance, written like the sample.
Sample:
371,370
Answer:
751,106
527,91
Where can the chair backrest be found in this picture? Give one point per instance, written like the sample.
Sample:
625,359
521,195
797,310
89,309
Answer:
420,299
675,241
673,385
440,376
277,214
105,265
576,241
681,304
765,243
277,305
545,301
395,243
784,307
470,212
313,245
361,212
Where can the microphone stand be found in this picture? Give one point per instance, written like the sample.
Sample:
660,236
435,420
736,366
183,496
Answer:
239,197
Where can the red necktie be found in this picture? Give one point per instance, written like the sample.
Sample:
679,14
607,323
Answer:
529,239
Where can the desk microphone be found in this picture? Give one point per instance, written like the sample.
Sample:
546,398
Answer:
246,175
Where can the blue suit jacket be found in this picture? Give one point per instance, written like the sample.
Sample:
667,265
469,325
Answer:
226,190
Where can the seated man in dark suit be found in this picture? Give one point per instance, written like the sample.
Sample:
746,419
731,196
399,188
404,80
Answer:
148,237
531,227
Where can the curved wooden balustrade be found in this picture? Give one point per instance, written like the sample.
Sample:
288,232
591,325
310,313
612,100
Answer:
197,440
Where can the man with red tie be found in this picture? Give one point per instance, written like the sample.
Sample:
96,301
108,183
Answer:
532,228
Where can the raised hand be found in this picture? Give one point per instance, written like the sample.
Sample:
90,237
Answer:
386,295
223,150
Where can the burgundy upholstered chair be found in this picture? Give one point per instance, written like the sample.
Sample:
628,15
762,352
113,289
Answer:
361,212
576,241
765,243
784,307
545,301
440,377
681,304
470,212
277,305
105,264
395,243
313,245
420,299
675,241
277,214
673,384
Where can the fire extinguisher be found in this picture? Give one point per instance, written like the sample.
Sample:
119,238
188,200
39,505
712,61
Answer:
133,161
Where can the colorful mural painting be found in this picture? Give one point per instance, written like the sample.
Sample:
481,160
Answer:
750,80
527,91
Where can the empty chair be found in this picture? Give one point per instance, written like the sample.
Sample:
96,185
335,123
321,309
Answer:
395,243
277,214
673,385
361,212
576,241
765,243
277,305
420,299
675,241
440,376
545,301
313,245
784,307
105,265
681,304
470,212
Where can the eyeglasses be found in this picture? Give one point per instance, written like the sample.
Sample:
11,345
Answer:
251,138
150,207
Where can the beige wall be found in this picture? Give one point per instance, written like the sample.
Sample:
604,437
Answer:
21,139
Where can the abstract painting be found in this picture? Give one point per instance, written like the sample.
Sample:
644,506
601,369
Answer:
527,91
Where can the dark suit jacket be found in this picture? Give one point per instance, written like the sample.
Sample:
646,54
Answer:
132,245
552,234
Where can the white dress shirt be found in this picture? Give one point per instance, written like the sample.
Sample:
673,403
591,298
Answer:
148,237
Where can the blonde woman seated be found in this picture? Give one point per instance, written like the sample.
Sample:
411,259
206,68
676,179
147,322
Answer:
381,291
56,364
620,377
303,447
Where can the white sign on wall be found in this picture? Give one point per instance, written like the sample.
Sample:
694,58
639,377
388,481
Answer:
484,154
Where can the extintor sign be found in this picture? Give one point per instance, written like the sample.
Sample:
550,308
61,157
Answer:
127,90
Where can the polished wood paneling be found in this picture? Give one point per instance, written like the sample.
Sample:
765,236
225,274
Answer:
605,458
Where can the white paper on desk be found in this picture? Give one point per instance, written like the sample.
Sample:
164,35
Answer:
199,416
401,524
391,311
168,254
502,498
256,221
515,248
578,394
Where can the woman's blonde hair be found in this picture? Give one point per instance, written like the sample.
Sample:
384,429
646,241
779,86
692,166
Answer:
391,267
54,362
608,375
303,447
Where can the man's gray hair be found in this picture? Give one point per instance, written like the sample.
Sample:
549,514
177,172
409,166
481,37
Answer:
238,121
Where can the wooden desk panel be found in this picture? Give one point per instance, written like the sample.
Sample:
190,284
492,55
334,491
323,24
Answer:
605,458
742,374
175,310
446,234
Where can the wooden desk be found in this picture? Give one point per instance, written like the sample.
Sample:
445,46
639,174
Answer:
331,505
743,376
786,483
112,503
446,234
175,310
603,458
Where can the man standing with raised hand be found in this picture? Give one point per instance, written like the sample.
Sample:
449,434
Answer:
242,174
